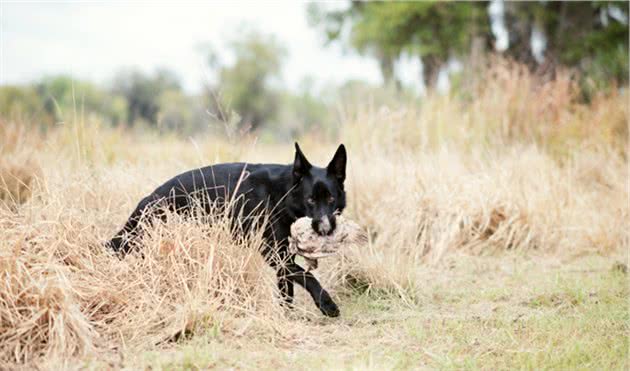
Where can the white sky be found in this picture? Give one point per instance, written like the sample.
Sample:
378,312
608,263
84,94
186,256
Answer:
93,41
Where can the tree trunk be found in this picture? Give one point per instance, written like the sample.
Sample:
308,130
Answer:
386,65
430,68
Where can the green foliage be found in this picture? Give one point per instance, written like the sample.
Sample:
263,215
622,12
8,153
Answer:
580,35
64,98
393,27
432,30
20,103
143,92
60,98
246,86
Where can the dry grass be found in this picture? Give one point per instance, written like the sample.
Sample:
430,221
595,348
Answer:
63,295
522,170
482,203
18,170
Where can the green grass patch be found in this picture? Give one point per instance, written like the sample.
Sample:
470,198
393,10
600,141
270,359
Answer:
537,317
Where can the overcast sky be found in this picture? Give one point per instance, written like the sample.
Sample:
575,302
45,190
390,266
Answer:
93,41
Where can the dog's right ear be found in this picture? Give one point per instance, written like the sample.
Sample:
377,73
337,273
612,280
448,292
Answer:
301,166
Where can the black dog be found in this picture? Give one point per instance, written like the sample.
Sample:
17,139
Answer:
285,192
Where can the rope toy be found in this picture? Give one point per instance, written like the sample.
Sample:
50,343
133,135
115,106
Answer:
304,241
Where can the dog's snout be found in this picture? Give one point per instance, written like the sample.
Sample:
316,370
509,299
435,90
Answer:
324,226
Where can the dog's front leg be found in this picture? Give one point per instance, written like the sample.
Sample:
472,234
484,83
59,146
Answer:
322,299
285,286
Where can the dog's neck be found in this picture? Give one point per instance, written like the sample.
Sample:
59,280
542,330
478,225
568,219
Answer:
291,196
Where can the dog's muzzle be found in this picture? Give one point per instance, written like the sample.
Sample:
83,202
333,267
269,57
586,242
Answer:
324,226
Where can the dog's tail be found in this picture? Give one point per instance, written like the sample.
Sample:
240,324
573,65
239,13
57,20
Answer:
119,244
122,242
147,209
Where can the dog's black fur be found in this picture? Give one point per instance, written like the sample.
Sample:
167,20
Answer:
284,192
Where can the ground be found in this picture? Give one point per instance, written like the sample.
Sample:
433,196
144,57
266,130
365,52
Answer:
512,312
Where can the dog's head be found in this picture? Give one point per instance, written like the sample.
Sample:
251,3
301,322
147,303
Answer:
319,191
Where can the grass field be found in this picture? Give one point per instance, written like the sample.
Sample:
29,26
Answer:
498,239
512,312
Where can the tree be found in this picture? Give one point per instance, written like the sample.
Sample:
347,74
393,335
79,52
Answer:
591,36
65,98
433,30
143,92
60,98
246,86
23,104
582,35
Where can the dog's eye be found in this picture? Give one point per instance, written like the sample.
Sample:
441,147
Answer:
331,199
310,201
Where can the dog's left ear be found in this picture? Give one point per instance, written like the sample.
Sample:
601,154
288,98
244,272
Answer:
337,166
301,166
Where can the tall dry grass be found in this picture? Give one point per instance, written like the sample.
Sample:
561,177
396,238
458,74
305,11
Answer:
521,164
521,167
63,296
18,169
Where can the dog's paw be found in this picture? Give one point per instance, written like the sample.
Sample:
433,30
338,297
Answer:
287,303
329,308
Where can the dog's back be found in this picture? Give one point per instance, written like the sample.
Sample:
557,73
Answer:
250,189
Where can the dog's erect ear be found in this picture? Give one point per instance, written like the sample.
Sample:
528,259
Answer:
337,166
301,166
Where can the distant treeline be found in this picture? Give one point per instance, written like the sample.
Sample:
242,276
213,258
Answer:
590,38
246,96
